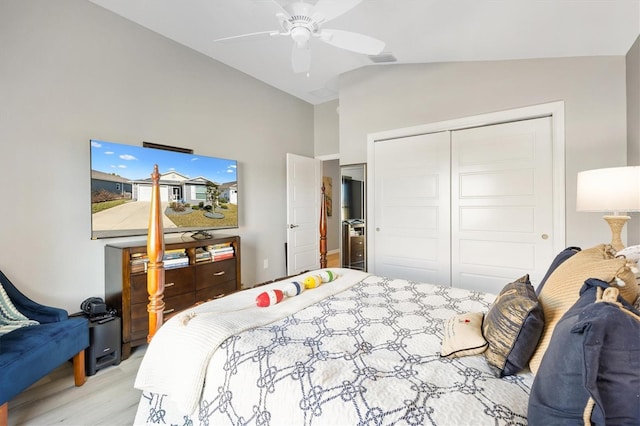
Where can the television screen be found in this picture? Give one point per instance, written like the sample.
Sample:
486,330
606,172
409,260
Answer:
352,199
198,193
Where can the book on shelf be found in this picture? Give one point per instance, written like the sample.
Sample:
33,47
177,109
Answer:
220,245
202,256
139,267
222,256
176,261
138,262
174,254
224,251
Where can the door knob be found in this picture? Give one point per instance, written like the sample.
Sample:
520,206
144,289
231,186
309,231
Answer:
293,226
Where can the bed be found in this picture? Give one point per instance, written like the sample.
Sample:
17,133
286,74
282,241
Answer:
359,349
366,350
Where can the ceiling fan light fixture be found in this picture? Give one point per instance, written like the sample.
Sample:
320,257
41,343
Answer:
300,35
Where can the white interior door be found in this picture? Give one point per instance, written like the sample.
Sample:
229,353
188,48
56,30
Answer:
502,203
304,183
410,222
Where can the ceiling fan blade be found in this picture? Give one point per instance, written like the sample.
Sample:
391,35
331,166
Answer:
260,34
281,9
355,42
301,58
326,10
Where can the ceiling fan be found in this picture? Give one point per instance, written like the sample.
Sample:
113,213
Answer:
301,21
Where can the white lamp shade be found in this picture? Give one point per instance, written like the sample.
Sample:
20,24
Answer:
615,189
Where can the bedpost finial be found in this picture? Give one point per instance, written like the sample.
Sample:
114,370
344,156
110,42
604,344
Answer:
155,175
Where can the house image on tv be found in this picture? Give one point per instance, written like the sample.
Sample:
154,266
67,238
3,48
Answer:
177,187
101,181
229,191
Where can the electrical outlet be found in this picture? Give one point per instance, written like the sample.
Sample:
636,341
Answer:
266,263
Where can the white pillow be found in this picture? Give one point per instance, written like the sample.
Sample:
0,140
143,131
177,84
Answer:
463,336
632,253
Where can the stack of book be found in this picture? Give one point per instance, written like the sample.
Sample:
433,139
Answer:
175,258
202,255
139,262
221,251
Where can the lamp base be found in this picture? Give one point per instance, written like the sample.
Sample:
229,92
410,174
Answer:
616,223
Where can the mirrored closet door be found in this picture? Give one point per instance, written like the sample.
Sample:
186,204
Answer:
353,215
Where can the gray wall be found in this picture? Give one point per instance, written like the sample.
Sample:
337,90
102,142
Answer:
72,71
633,128
325,130
326,147
375,99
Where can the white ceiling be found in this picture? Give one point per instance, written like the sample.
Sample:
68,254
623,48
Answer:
415,31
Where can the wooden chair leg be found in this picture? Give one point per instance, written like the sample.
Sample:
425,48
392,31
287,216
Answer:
4,414
79,368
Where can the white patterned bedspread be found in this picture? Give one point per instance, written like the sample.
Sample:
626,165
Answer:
368,355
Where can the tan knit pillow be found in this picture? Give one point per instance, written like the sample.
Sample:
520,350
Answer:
562,288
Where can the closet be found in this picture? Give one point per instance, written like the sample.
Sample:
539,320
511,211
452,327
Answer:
470,208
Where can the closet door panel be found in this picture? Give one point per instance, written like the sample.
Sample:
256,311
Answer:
501,203
411,218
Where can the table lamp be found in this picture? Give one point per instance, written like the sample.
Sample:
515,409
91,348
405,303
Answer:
614,190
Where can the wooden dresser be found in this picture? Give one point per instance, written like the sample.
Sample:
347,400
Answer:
194,277
354,254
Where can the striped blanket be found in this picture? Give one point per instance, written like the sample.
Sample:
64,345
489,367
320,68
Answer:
10,316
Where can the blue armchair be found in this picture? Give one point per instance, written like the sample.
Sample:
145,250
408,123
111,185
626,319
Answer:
28,354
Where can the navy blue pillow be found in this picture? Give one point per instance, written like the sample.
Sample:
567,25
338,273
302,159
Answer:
512,327
594,353
559,260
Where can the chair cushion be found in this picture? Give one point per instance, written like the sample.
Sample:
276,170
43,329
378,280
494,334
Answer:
594,353
30,353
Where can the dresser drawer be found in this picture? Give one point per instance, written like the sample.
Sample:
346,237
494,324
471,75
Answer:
213,274
216,291
357,255
172,305
357,241
176,281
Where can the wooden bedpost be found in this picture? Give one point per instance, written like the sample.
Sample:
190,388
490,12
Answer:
155,252
323,229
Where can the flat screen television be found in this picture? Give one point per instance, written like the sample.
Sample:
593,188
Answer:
198,193
352,199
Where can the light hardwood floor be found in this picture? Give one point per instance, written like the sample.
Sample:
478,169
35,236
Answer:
333,260
107,398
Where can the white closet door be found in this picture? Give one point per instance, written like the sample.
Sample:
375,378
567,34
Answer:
411,218
501,204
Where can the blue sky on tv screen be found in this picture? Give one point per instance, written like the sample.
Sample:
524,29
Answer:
136,162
